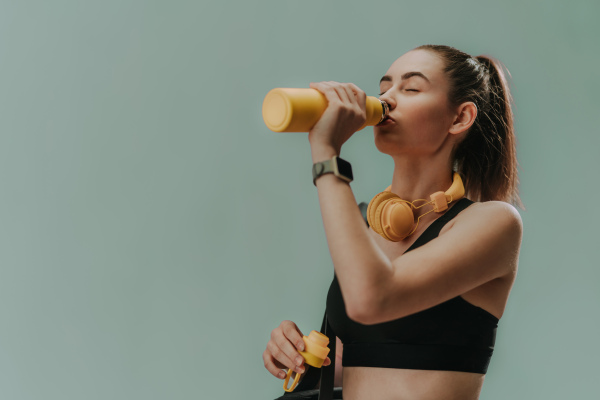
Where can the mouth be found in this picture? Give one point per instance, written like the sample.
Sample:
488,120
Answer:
387,121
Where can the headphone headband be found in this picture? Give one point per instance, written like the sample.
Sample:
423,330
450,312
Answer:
455,192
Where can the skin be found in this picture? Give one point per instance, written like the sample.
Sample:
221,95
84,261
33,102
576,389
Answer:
380,283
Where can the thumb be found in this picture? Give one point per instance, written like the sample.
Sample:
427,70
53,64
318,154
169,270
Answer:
327,361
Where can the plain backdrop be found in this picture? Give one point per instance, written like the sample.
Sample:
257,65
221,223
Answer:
154,231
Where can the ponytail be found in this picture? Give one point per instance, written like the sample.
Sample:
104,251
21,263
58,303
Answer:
486,158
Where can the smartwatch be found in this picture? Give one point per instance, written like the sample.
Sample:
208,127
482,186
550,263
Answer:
337,166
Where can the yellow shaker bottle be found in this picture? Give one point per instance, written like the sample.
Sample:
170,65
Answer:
315,352
298,110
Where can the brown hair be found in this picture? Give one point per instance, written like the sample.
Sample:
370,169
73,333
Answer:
487,157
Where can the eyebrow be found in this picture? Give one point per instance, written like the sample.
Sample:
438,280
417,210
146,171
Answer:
387,78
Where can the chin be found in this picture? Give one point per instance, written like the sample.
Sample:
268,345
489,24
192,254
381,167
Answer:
386,142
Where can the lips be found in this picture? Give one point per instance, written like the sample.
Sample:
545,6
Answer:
387,121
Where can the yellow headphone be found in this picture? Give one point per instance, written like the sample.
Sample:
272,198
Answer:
393,218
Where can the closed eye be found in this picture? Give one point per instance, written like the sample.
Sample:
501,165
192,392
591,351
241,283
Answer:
408,90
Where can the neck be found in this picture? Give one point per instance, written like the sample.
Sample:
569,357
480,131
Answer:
419,177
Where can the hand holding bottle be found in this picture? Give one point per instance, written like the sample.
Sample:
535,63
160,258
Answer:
283,351
345,114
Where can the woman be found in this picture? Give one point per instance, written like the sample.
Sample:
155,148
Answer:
419,324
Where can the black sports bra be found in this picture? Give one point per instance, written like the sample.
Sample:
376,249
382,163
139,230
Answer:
452,336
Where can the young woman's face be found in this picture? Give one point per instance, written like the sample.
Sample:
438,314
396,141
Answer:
416,89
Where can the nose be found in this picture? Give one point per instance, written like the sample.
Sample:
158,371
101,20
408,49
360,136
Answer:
388,99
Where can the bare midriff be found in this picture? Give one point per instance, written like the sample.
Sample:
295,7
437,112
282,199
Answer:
360,383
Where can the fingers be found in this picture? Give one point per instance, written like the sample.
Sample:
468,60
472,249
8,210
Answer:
343,92
282,350
361,96
345,114
346,92
271,366
328,91
293,334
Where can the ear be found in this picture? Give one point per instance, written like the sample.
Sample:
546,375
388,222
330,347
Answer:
465,117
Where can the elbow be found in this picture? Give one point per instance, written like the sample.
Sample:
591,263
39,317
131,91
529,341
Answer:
365,303
366,309
364,313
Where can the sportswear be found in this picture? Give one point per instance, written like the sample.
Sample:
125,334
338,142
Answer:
452,336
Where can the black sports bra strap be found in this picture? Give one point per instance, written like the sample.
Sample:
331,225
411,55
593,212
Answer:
328,372
434,229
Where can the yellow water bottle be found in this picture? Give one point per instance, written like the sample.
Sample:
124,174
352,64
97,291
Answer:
315,353
298,110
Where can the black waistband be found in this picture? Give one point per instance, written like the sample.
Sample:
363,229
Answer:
417,356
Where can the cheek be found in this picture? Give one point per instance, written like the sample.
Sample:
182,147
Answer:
423,107
426,117
422,124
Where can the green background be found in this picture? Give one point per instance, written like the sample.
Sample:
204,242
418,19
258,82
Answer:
154,231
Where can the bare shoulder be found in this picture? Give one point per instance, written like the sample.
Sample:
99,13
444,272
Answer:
496,215
494,225
494,228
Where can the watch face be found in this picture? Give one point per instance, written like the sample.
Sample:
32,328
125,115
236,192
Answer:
344,168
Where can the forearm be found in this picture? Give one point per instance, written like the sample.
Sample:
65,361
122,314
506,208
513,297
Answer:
360,266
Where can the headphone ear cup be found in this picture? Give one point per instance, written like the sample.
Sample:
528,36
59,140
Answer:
397,219
374,204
